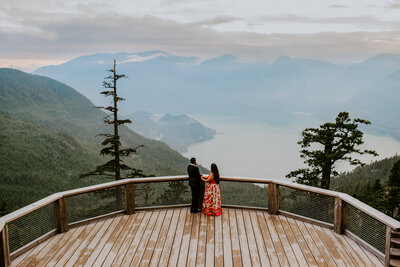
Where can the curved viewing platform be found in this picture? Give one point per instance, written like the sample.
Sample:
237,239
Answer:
146,222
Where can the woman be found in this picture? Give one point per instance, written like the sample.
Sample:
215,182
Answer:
212,195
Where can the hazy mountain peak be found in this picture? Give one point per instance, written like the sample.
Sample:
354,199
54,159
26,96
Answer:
283,60
387,60
140,57
221,59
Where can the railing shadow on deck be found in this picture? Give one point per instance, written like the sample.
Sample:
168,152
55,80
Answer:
25,228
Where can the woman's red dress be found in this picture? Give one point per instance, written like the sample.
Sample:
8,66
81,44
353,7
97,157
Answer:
212,199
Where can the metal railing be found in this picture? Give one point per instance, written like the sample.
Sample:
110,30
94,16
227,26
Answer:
26,227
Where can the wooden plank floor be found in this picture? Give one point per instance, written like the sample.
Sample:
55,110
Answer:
175,237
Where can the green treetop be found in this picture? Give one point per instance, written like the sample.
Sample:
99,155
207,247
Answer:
324,146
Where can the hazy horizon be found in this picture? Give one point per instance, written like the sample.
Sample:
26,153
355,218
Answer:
253,148
43,32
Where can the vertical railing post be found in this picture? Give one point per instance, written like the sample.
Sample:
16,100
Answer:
340,216
4,247
61,215
130,198
388,243
273,198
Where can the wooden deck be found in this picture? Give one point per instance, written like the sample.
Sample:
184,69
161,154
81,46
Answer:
175,237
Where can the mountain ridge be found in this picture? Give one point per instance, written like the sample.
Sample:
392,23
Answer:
273,92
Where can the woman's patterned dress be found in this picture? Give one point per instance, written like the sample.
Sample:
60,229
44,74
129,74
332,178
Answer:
212,199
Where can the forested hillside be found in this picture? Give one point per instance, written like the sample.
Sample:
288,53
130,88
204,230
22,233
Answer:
370,184
178,131
350,182
49,136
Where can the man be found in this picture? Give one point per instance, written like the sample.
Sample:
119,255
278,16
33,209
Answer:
195,184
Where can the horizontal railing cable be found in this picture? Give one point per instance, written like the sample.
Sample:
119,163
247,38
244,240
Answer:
99,200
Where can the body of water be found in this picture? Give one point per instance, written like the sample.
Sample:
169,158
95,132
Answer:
251,148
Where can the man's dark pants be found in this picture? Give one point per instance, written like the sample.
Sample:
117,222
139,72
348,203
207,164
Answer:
195,198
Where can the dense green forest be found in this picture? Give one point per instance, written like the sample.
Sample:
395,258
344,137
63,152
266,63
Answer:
49,136
369,183
361,177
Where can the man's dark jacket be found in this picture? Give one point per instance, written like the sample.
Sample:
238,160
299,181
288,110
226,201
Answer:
194,175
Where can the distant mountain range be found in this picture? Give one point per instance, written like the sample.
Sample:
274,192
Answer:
281,92
178,131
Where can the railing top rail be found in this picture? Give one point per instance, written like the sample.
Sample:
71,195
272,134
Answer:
246,179
122,182
31,207
380,216
352,201
307,188
348,199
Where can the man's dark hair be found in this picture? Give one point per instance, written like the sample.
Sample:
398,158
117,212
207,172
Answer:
193,160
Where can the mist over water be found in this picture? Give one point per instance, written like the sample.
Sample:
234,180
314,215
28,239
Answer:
252,148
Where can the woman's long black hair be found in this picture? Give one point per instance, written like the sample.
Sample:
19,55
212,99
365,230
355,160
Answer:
214,170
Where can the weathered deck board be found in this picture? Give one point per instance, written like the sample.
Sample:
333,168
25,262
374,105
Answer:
280,252
236,255
92,245
294,243
244,246
285,242
339,248
336,255
155,258
175,237
53,247
115,224
128,239
351,252
82,247
252,216
60,253
310,242
320,244
201,248
144,241
301,242
219,252
269,245
112,254
226,235
210,244
251,240
194,240
29,255
184,248
153,239
110,241
127,256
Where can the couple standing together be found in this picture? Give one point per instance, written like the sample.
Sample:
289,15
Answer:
208,200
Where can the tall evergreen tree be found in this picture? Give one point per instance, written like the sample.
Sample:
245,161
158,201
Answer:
394,190
339,140
112,144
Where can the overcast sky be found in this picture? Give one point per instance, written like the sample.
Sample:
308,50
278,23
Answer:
42,32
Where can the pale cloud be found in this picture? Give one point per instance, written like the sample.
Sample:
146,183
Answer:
214,21
136,58
57,30
338,6
395,6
